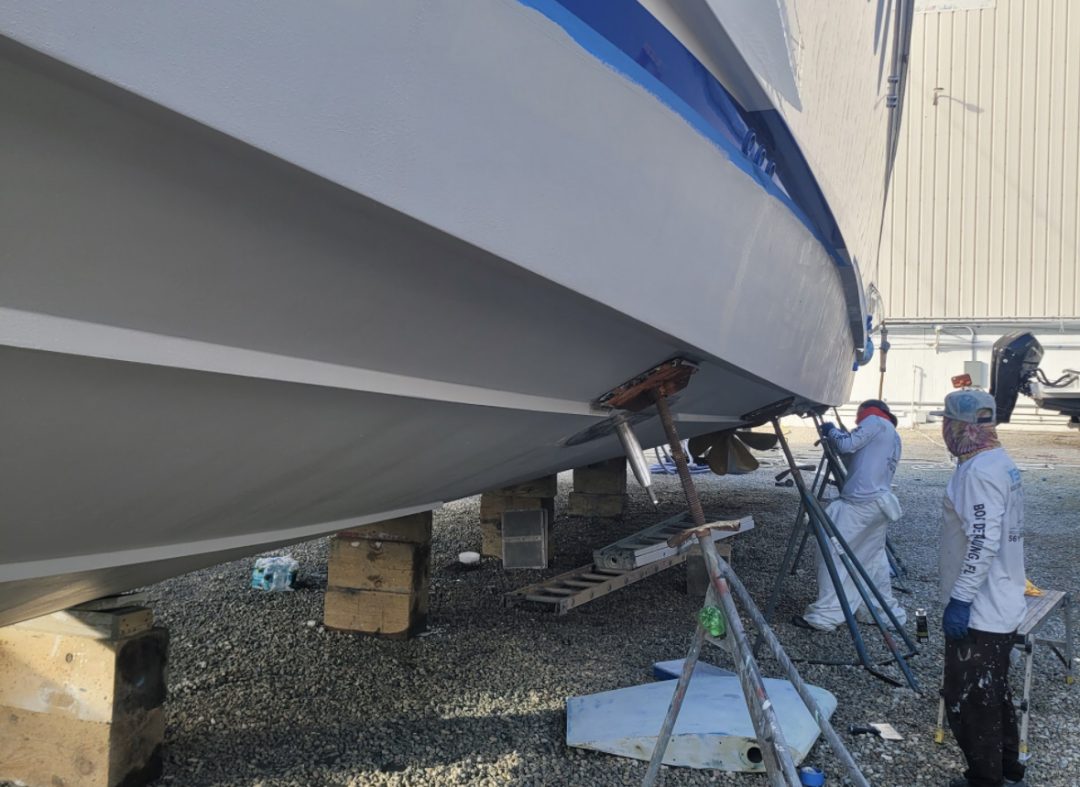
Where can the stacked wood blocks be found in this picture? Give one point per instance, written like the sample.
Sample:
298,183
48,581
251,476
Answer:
81,696
378,577
599,489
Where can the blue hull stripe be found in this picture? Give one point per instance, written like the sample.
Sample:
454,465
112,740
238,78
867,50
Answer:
626,37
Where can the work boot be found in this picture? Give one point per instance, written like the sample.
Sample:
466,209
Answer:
800,622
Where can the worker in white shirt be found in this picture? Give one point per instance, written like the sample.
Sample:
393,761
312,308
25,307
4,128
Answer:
982,584
866,505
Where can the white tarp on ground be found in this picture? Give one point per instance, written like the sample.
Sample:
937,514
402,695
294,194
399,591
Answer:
714,729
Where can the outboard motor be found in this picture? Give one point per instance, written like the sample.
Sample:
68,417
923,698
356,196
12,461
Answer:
1015,360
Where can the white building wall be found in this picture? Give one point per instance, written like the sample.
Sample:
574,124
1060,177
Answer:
980,234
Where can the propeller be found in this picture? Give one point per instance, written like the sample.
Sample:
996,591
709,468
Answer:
728,452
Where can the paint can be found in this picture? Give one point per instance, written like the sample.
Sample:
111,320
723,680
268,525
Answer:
810,776
922,630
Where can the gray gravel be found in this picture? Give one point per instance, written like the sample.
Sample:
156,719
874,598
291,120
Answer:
262,695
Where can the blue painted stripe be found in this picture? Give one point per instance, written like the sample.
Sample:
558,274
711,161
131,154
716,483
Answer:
625,36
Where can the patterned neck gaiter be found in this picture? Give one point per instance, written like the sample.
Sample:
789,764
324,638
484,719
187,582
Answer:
964,440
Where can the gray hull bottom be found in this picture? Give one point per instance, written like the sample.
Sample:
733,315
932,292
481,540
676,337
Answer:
207,351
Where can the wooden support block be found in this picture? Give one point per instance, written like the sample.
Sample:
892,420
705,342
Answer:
81,710
602,478
95,624
598,505
364,564
414,529
83,678
387,614
46,750
491,539
547,486
378,578
724,549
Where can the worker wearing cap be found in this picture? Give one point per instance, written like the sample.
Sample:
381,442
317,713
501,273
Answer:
866,505
982,584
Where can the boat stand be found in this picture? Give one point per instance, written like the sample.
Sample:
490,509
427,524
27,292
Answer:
820,525
779,766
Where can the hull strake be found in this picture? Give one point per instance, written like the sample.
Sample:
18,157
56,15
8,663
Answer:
208,343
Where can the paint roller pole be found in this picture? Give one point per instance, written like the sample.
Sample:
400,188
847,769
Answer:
636,457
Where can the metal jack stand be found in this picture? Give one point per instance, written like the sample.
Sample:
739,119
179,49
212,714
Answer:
777,758
779,767
800,532
826,534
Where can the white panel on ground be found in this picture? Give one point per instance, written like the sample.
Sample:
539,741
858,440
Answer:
666,670
713,729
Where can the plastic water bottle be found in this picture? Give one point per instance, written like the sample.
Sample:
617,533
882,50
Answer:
712,620
274,573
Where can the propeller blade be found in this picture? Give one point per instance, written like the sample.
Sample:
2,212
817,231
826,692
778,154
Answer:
759,441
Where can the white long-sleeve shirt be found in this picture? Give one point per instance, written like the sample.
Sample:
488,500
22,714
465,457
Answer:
982,541
871,453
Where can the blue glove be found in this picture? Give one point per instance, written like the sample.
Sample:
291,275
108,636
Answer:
827,429
955,620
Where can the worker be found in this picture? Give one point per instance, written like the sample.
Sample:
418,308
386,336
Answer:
861,513
982,584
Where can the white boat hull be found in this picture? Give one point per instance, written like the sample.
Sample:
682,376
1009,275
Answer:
213,346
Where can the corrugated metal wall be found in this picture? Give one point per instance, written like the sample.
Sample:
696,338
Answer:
982,219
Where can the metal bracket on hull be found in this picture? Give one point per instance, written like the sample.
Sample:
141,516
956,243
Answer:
635,395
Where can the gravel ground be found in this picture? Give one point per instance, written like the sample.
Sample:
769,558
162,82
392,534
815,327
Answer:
262,695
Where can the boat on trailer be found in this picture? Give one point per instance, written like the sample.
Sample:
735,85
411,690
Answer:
271,270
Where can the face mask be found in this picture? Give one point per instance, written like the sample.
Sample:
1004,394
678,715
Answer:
964,440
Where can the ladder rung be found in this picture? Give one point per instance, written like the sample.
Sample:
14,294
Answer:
577,583
599,577
560,591
545,599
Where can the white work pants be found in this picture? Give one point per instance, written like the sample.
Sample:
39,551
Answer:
862,523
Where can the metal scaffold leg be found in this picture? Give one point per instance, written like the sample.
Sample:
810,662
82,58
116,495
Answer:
779,766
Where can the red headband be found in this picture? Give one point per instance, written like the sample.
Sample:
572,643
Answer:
866,412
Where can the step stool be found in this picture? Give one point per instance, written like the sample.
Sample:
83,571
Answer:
1040,608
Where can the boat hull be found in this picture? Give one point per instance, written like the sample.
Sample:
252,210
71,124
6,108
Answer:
217,340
